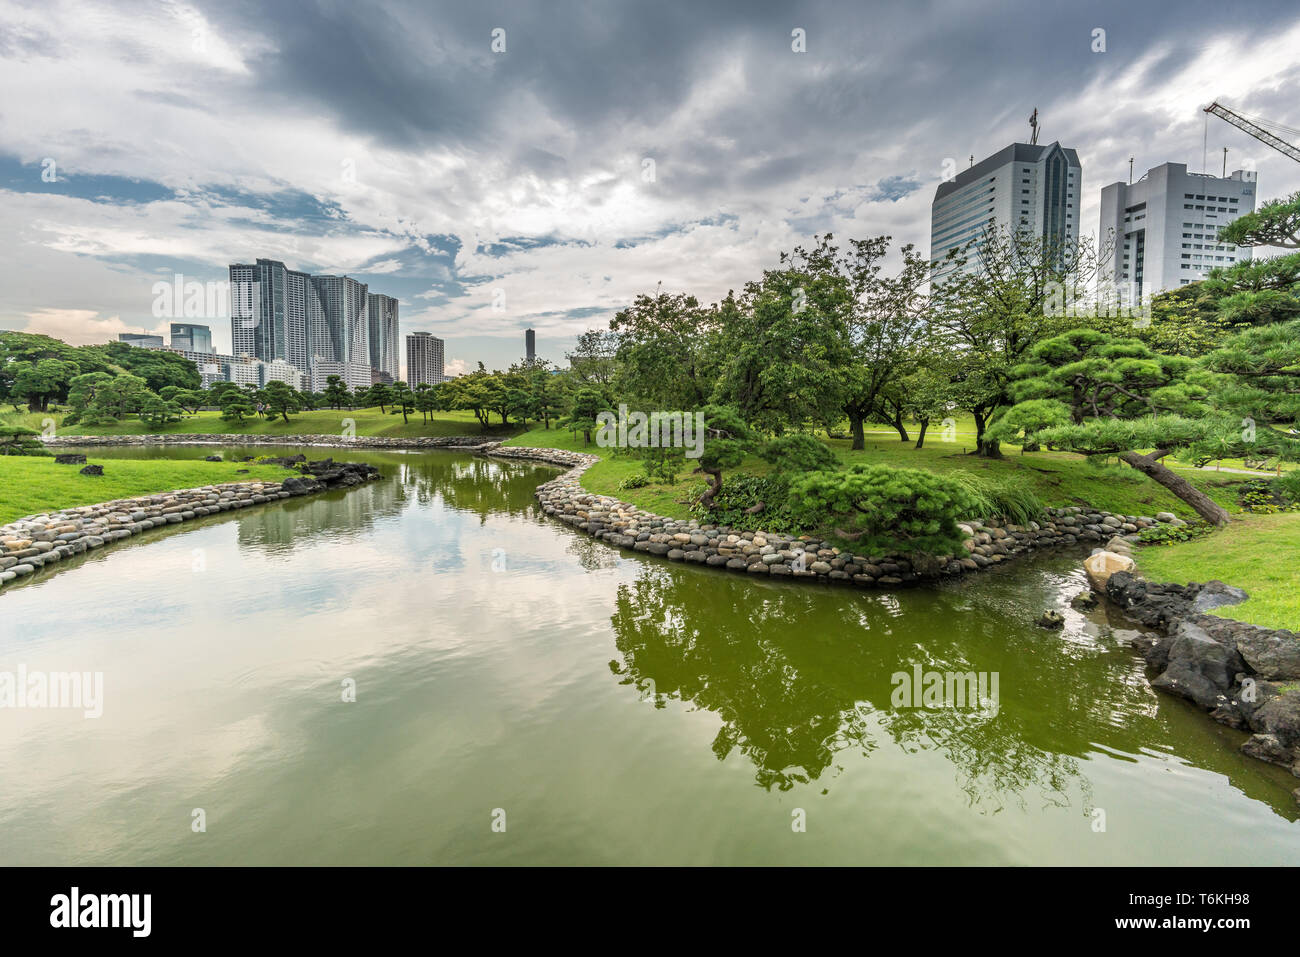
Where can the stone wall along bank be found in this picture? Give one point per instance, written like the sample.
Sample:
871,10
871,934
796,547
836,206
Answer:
757,552
237,438
40,541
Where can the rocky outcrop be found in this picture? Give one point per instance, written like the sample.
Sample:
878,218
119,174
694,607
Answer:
775,554
1245,676
41,541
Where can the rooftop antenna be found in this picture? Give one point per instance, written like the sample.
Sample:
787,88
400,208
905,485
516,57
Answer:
972,160
1033,125
1225,162
1130,171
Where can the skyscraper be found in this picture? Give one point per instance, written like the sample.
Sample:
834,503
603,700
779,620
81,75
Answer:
530,345
309,321
384,343
269,312
189,337
424,359
1165,227
1022,187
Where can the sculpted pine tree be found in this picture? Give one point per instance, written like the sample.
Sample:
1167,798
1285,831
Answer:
1122,399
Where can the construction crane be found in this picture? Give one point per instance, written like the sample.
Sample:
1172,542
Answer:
1255,130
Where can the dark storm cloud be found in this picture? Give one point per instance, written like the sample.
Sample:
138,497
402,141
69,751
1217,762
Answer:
415,75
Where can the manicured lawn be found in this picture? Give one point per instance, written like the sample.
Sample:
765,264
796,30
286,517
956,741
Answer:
322,422
33,484
1255,552
1058,478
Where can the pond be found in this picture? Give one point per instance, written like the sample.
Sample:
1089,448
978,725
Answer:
525,695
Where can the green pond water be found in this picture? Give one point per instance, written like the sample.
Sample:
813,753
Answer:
610,707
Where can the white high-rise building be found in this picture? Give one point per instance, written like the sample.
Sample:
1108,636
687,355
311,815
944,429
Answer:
1165,227
1023,187
424,359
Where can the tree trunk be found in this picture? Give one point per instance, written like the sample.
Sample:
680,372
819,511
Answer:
920,439
983,447
1152,468
859,437
898,424
715,485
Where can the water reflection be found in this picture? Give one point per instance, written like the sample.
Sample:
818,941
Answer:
801,678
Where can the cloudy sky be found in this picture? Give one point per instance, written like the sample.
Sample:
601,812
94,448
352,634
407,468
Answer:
544,175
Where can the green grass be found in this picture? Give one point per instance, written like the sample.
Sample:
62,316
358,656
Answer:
1255,552
1056,478
33,484
323,422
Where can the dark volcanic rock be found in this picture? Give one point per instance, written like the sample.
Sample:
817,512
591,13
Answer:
301,485
93,470
1215,594
212,458
1200,668
1243,675
70,458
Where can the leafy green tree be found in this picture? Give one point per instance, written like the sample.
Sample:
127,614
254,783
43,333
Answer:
279,398
122,395
469,392
158,367
786,343
40,381
337,394
592,362
404,399
925,393
426,400
584,406
882,508
663,351
885,315
379,394
156,412
545,394
1006,301
235,406
217,394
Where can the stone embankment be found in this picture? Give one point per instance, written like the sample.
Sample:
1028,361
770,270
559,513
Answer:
304,441
40,541
775,554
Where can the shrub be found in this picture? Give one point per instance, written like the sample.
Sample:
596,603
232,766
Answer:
641,480
742,493
883,508
799,452
1287,487
1170,534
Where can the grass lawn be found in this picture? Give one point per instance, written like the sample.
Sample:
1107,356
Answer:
323,422
31,484
1058,478
1255,552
